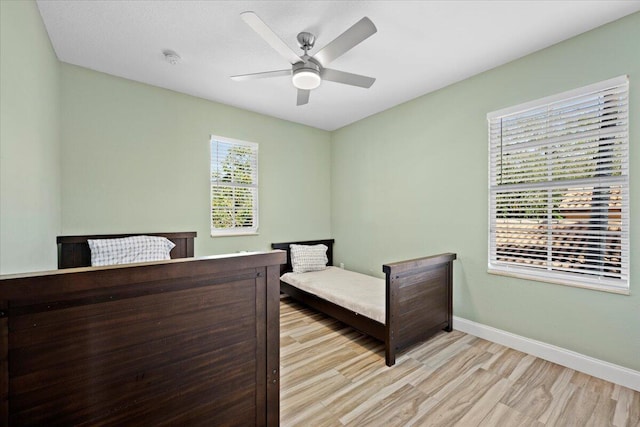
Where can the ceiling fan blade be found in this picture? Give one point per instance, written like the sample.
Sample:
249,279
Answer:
358,32
303,96
263,75
347,78
269,36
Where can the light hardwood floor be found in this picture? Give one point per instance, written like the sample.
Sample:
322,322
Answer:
331,375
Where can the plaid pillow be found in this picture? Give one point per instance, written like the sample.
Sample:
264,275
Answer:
308,258
129,249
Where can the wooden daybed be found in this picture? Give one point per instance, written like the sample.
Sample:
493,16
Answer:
418,300
191,341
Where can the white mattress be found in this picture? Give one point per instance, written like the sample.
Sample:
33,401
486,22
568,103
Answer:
358,292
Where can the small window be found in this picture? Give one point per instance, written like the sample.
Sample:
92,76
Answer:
559,188
234,187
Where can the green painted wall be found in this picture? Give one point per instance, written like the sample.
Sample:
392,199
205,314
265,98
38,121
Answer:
121,156
29,141
412,181
135,158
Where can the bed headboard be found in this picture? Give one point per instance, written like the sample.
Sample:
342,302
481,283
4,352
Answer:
285,268
73,251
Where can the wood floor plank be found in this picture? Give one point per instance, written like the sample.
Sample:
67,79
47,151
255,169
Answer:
522,367
627,412
603,412
459,402
448,376
365,394
531,392
502,415
487,345
561,391
313,390
485,403
579,409
315,365
359,367
600,386
397,409
314,414
557,406
332,375
441,351
504,362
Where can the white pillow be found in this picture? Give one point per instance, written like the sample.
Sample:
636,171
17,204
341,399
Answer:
127,250
308,257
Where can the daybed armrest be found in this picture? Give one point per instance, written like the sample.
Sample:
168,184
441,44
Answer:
402,266
419,301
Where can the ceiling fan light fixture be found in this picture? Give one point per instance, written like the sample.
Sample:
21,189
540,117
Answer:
306,78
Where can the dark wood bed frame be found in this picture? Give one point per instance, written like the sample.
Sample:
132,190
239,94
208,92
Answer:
419,300
191,341
74,251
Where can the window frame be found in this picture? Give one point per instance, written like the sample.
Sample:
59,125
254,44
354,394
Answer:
236,230
546,271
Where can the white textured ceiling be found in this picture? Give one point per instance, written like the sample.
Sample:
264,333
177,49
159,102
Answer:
420,46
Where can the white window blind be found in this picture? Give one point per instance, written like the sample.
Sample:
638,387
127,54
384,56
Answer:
234,187
559,188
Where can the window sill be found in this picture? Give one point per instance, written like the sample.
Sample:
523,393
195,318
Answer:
213,235
594,287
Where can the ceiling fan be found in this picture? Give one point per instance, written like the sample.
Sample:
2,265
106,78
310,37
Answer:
307,72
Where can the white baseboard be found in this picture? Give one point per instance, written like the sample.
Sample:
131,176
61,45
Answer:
598,368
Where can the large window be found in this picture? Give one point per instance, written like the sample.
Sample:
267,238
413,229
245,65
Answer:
559,188
234,187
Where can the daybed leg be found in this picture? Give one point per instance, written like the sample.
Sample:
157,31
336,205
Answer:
390,355
449,326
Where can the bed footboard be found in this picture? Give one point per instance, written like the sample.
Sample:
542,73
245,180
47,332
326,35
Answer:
181,342
419,301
